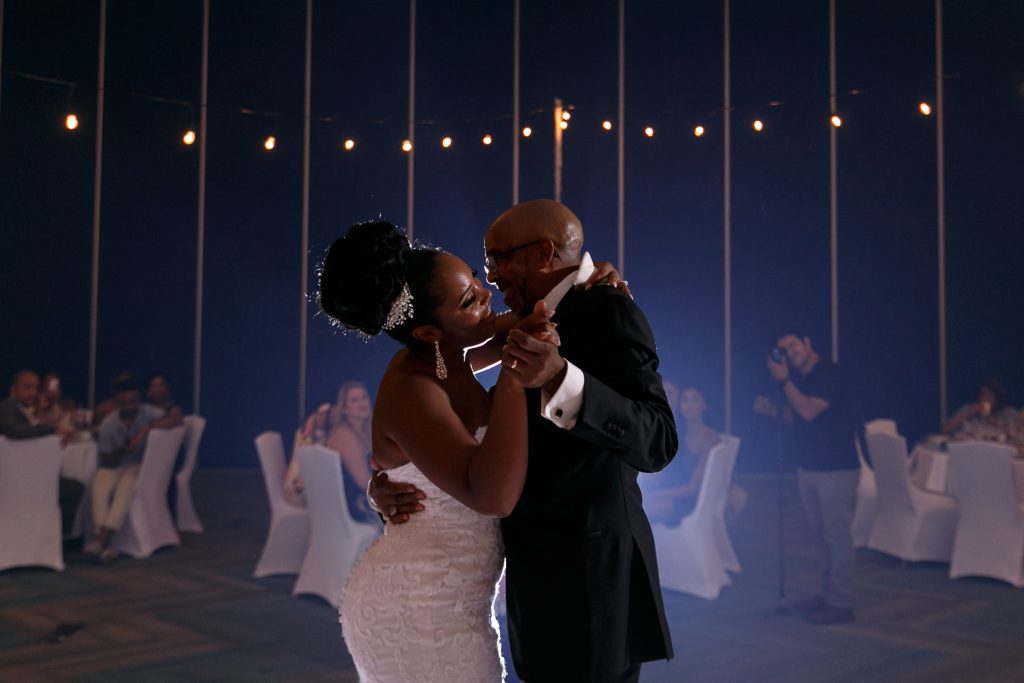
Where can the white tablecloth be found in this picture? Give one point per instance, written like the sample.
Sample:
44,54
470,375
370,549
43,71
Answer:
78,461
930,470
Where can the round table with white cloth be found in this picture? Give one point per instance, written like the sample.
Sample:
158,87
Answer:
930,470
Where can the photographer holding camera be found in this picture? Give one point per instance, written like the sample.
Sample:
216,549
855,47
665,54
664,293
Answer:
815,404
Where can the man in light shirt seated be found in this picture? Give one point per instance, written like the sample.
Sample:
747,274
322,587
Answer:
122,442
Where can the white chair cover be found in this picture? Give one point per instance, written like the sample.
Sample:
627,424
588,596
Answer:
288,536
336,540
881,426
990,530
149,525
722,541
29,513
911,524
867,501
690,558
185,510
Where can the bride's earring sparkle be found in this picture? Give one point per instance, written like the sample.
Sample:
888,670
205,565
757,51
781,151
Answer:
440,369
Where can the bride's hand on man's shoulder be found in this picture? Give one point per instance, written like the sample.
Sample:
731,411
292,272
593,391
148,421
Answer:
539,326
605,274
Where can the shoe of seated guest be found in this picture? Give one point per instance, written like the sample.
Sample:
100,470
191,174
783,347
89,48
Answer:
92,548
814,604
108,555
830,614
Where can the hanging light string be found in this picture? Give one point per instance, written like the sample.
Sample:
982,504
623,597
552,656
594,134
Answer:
697,126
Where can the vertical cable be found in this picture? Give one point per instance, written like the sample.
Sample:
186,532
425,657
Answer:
833,183
197,364
94,293
515,103
940,192
621,139
304,261
727,212
410,172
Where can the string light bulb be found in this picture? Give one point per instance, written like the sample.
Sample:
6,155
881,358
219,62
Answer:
487,139
527,132
758,125
71,122
566,116
189,137
406,146
349,145
836,121
563,124
446,142
607,125
649,131
270,143
925,108
698,131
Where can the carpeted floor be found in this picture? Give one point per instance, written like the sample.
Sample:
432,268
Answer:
195,613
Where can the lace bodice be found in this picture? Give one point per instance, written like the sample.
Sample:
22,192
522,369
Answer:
418,606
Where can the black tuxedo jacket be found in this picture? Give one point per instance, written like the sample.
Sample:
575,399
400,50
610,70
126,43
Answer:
14,424
584,600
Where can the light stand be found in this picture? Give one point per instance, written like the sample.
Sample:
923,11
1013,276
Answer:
781,608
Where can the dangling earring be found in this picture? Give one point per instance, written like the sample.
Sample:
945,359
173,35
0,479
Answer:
440,369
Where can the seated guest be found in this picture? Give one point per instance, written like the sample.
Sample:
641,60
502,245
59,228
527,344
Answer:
158,393
347,425
51,406
18,421
988,418
122,441
109,406
671,494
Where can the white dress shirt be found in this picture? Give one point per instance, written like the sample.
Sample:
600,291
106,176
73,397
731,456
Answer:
563,406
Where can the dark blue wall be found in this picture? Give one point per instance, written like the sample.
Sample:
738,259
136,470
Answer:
674,249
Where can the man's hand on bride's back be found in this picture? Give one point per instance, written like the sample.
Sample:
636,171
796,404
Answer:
605,274
393,499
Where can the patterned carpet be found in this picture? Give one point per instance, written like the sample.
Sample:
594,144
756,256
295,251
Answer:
195,613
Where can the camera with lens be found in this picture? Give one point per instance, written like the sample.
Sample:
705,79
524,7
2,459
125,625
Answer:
778,354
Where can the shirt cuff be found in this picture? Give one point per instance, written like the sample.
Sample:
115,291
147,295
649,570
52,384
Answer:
563,407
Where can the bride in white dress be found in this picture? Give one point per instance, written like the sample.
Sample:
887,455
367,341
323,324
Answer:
418,606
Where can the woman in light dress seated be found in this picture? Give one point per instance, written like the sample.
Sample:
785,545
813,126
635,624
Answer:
988,418
344,428
418,606
671,494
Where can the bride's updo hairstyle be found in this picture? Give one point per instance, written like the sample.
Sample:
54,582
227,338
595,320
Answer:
364,272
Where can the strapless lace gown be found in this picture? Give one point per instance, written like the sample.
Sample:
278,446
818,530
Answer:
418,606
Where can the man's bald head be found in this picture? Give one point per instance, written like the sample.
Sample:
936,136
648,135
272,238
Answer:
541,219
529,249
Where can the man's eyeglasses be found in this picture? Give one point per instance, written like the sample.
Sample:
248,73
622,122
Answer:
497,256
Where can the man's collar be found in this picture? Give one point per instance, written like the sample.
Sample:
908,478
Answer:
577,277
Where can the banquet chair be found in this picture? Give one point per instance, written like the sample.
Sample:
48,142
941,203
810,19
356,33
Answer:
690,557
336,540
722,541
29,512
149,525
990,529
288,535
184,509
911,524
881,425
867,488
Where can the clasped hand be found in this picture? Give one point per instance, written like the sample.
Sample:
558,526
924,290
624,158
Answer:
531,353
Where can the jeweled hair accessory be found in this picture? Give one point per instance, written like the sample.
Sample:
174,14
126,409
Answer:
401,309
